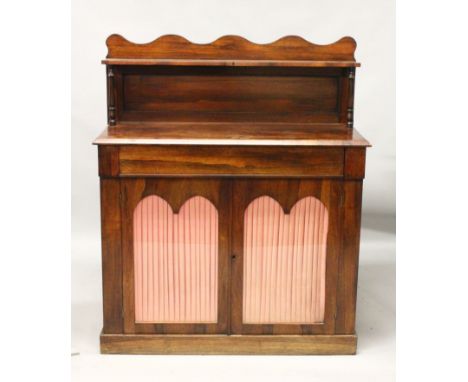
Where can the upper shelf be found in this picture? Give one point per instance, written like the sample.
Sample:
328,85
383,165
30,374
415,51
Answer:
173,50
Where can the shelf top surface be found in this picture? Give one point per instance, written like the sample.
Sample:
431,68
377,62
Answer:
234,63
235,134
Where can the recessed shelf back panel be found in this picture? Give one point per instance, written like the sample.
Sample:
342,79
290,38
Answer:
230,94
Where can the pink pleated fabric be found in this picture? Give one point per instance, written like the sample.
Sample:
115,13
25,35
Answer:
284,262
176,261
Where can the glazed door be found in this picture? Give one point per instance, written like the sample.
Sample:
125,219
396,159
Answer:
175,255
286,241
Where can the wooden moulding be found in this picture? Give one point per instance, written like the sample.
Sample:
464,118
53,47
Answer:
228,344
231,51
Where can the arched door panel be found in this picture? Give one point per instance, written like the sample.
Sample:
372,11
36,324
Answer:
284,262
175,261
286,243
175,255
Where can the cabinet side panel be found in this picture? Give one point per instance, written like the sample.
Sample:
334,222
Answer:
111,256
349,259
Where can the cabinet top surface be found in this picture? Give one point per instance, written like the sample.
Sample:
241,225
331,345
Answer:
235,134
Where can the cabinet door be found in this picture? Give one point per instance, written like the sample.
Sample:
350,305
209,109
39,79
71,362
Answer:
286,242
175,255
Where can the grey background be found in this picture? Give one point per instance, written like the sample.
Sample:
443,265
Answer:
372,24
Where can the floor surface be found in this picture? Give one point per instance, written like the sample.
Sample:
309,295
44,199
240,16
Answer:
375,359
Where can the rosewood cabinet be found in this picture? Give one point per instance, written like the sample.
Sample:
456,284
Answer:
231,183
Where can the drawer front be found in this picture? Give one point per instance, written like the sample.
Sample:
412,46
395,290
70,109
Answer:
231,161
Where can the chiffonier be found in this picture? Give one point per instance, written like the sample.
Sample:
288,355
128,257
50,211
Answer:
231,182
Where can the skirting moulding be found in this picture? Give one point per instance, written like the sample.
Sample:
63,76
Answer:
231,182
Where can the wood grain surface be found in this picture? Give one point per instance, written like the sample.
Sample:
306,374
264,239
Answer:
228,345
231,161
235,134
231,48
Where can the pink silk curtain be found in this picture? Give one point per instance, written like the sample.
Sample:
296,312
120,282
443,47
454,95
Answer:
176,261
284,262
